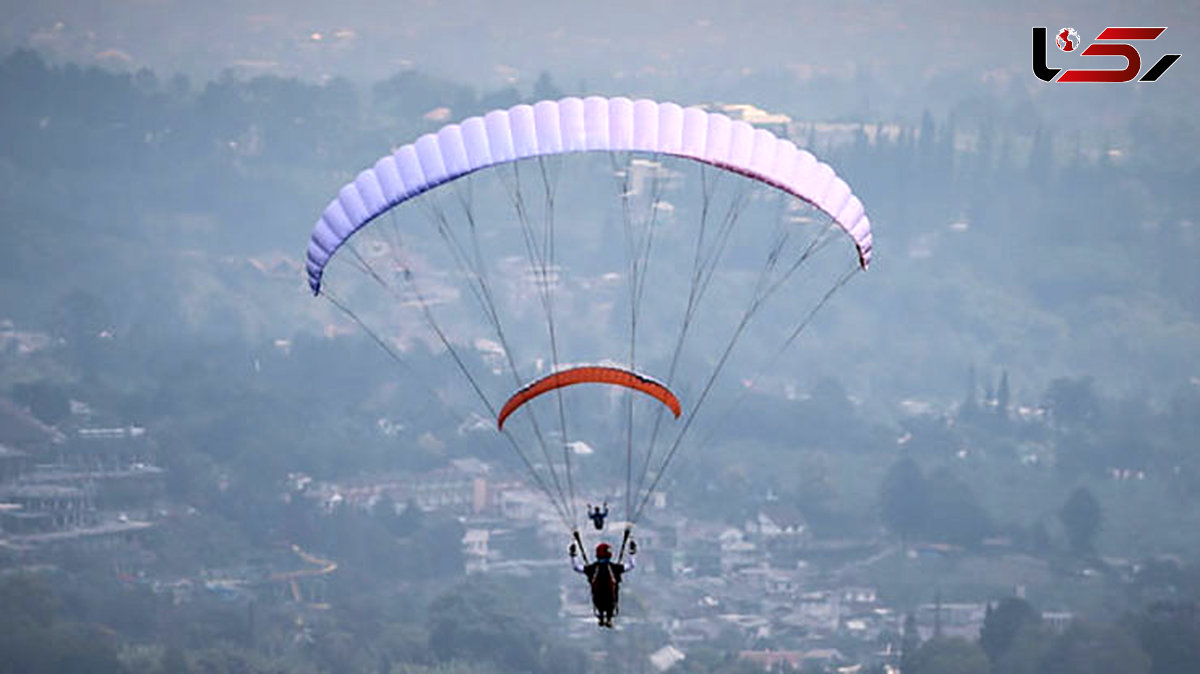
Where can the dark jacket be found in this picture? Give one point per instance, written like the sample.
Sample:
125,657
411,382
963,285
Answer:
604,577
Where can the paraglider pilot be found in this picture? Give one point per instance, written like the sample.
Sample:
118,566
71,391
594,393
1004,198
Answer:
597,515
604,577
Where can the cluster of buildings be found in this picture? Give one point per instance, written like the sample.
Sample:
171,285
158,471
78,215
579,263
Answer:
748,588
766,589
86,487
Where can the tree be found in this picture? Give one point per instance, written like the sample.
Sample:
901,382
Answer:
1169,632
948,655
903,499
1039,538
79,320
1001,625
1087,648
953,514
927,143
229,659
33,639
410,94
545,89
1029,646
1072,402
910,641
500,99
174,661
47,401
970,403
1081,517
932,436
83,649
408,521
483,621
435,550
830,399
1002,396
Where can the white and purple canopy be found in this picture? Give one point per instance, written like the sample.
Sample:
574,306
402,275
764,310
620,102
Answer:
582,125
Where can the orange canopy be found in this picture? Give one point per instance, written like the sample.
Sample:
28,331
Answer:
595,374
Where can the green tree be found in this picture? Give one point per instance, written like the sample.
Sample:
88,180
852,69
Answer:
949,655
1026,652
1002,623
1002,396
79,648
1081,518
1087,648
47,401
484,621
453,667
227,659
404,642
1072,402
1169,632
174,661
953,514
436,549
80,320
903,499
407,522
410,94
927,144
500,98
969,407
34,639
545,89
910,641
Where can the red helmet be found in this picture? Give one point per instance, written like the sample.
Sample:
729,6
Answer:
603,550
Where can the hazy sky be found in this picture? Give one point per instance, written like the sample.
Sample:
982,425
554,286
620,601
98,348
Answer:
599,44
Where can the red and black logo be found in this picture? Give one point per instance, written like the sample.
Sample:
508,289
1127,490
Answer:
1111,42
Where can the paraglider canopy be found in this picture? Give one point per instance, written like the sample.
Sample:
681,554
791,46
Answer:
577,125
703,262
595,374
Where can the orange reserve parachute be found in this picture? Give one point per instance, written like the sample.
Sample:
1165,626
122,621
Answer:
590,374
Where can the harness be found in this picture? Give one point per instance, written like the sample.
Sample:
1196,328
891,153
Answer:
611,579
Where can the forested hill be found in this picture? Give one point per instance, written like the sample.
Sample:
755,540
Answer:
1016,376
1005,239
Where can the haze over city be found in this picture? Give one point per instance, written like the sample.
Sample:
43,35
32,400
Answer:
977,454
